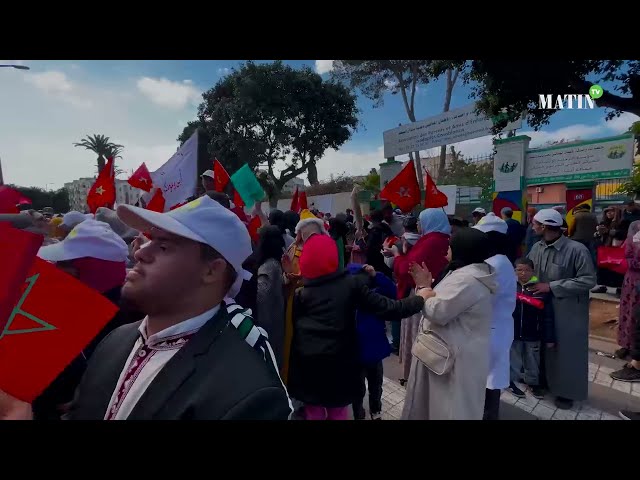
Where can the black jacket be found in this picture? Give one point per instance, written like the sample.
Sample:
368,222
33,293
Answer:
533,317
217,375
324,353
515,236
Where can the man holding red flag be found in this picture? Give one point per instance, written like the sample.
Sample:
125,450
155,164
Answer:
103,191
196,355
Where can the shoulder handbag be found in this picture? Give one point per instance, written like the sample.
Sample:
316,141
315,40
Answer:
433,352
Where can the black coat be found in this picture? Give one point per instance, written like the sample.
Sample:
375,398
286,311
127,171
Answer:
217,375
325,360
375,239
533,318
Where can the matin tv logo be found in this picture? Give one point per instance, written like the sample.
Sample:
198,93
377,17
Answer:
571,101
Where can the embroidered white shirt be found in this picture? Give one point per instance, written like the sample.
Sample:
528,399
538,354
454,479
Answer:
154,363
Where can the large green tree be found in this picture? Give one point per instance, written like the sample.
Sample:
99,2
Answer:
276,117
40,198
462,172
102,147
514,86
375,78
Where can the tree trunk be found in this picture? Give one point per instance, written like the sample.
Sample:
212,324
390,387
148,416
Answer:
312,173
451,81
101,162
273,199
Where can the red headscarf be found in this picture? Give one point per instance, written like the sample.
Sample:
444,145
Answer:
319,257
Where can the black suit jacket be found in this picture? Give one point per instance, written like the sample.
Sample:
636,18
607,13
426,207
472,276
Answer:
216,375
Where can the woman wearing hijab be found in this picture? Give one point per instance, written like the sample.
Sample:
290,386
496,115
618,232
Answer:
630,296
457,319
504,303
431,250
96,256
608,234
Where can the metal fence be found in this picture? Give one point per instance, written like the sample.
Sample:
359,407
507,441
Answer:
485,158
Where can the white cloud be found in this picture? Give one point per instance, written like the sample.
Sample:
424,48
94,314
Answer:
224,71
324,66
57,85
52,82
165,93
349,162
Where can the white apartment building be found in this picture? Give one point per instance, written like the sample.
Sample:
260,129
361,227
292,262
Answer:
78,190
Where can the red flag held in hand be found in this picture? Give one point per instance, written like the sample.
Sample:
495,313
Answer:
103,191
141,179
302,202
295,206
156,204
434,198
403,190
254,225
220,176
39,341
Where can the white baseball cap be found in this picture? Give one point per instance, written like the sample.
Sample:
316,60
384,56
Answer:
72,218
491,223
90,238
208,173
549,216
203,220
480,210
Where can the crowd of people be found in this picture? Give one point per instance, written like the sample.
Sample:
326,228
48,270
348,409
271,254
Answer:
293,324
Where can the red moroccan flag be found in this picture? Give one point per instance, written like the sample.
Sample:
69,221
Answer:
254,225
403,190
156,204
39,341
103,191
434,198
302,202
237,199
220,177
295,205
19,249
141,179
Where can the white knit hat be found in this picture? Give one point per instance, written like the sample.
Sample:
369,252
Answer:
491,223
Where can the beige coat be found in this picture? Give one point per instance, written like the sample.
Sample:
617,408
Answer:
460,314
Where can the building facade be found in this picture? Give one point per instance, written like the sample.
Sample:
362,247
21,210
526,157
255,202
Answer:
78,190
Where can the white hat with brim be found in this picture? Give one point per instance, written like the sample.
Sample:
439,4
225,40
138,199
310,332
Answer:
208,173
203,220
72,218
492,223
92,239
549,217
480,210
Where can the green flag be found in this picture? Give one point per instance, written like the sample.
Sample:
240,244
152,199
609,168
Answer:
247,186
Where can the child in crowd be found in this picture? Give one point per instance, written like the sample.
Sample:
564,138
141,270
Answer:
533,323
374,347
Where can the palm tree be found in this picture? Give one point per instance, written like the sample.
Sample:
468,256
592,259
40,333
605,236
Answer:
101,146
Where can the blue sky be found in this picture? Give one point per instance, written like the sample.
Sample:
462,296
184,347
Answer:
144,105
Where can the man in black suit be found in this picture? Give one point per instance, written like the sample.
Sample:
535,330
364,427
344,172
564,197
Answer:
196,355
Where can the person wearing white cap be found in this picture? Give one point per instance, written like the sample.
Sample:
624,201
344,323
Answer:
477,214
207,181
565,269
504,303
196,355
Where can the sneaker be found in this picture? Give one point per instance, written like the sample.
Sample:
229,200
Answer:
376,416
515,391
626,374
629,415
599,289
622,353
563,403
537,391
